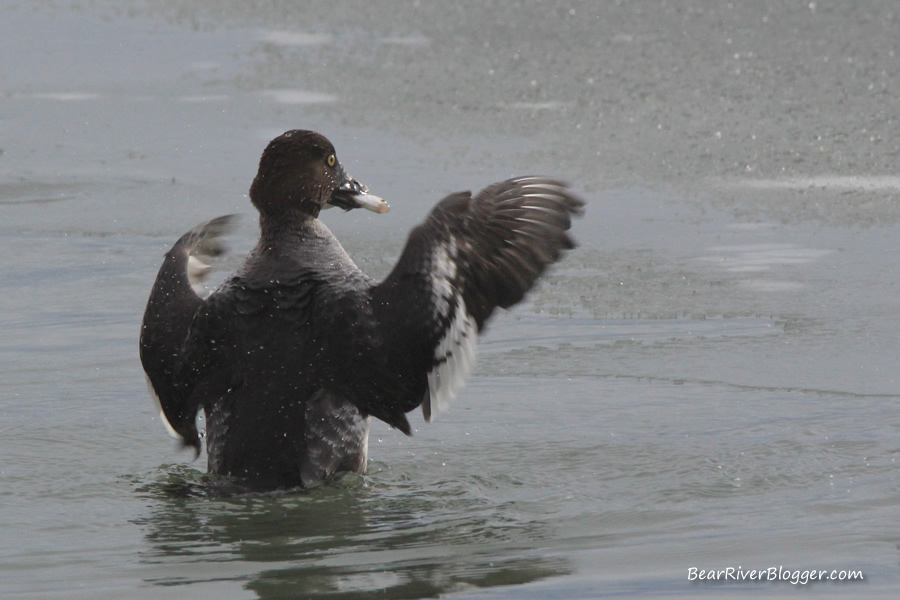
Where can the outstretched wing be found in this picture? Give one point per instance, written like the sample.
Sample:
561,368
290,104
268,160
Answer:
173,303
470,256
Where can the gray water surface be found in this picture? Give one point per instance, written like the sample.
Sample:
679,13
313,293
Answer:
708,381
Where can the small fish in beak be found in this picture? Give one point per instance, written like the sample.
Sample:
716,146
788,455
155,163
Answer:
352,194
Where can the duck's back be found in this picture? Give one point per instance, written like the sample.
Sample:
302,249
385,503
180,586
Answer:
266,342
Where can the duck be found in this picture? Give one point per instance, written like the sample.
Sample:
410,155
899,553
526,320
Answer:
293,355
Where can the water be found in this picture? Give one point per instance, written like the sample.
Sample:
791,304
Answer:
709,381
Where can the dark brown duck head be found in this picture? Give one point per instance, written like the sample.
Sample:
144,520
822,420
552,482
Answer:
299,175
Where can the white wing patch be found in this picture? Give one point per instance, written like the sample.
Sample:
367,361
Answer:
443,271
454,355
197,270
455,358
162,415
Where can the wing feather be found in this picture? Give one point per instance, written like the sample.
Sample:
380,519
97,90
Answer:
471,255
173,303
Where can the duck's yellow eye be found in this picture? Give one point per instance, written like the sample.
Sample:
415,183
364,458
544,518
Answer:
331,160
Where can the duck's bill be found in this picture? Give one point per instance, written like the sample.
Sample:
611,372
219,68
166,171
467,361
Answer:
353,194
